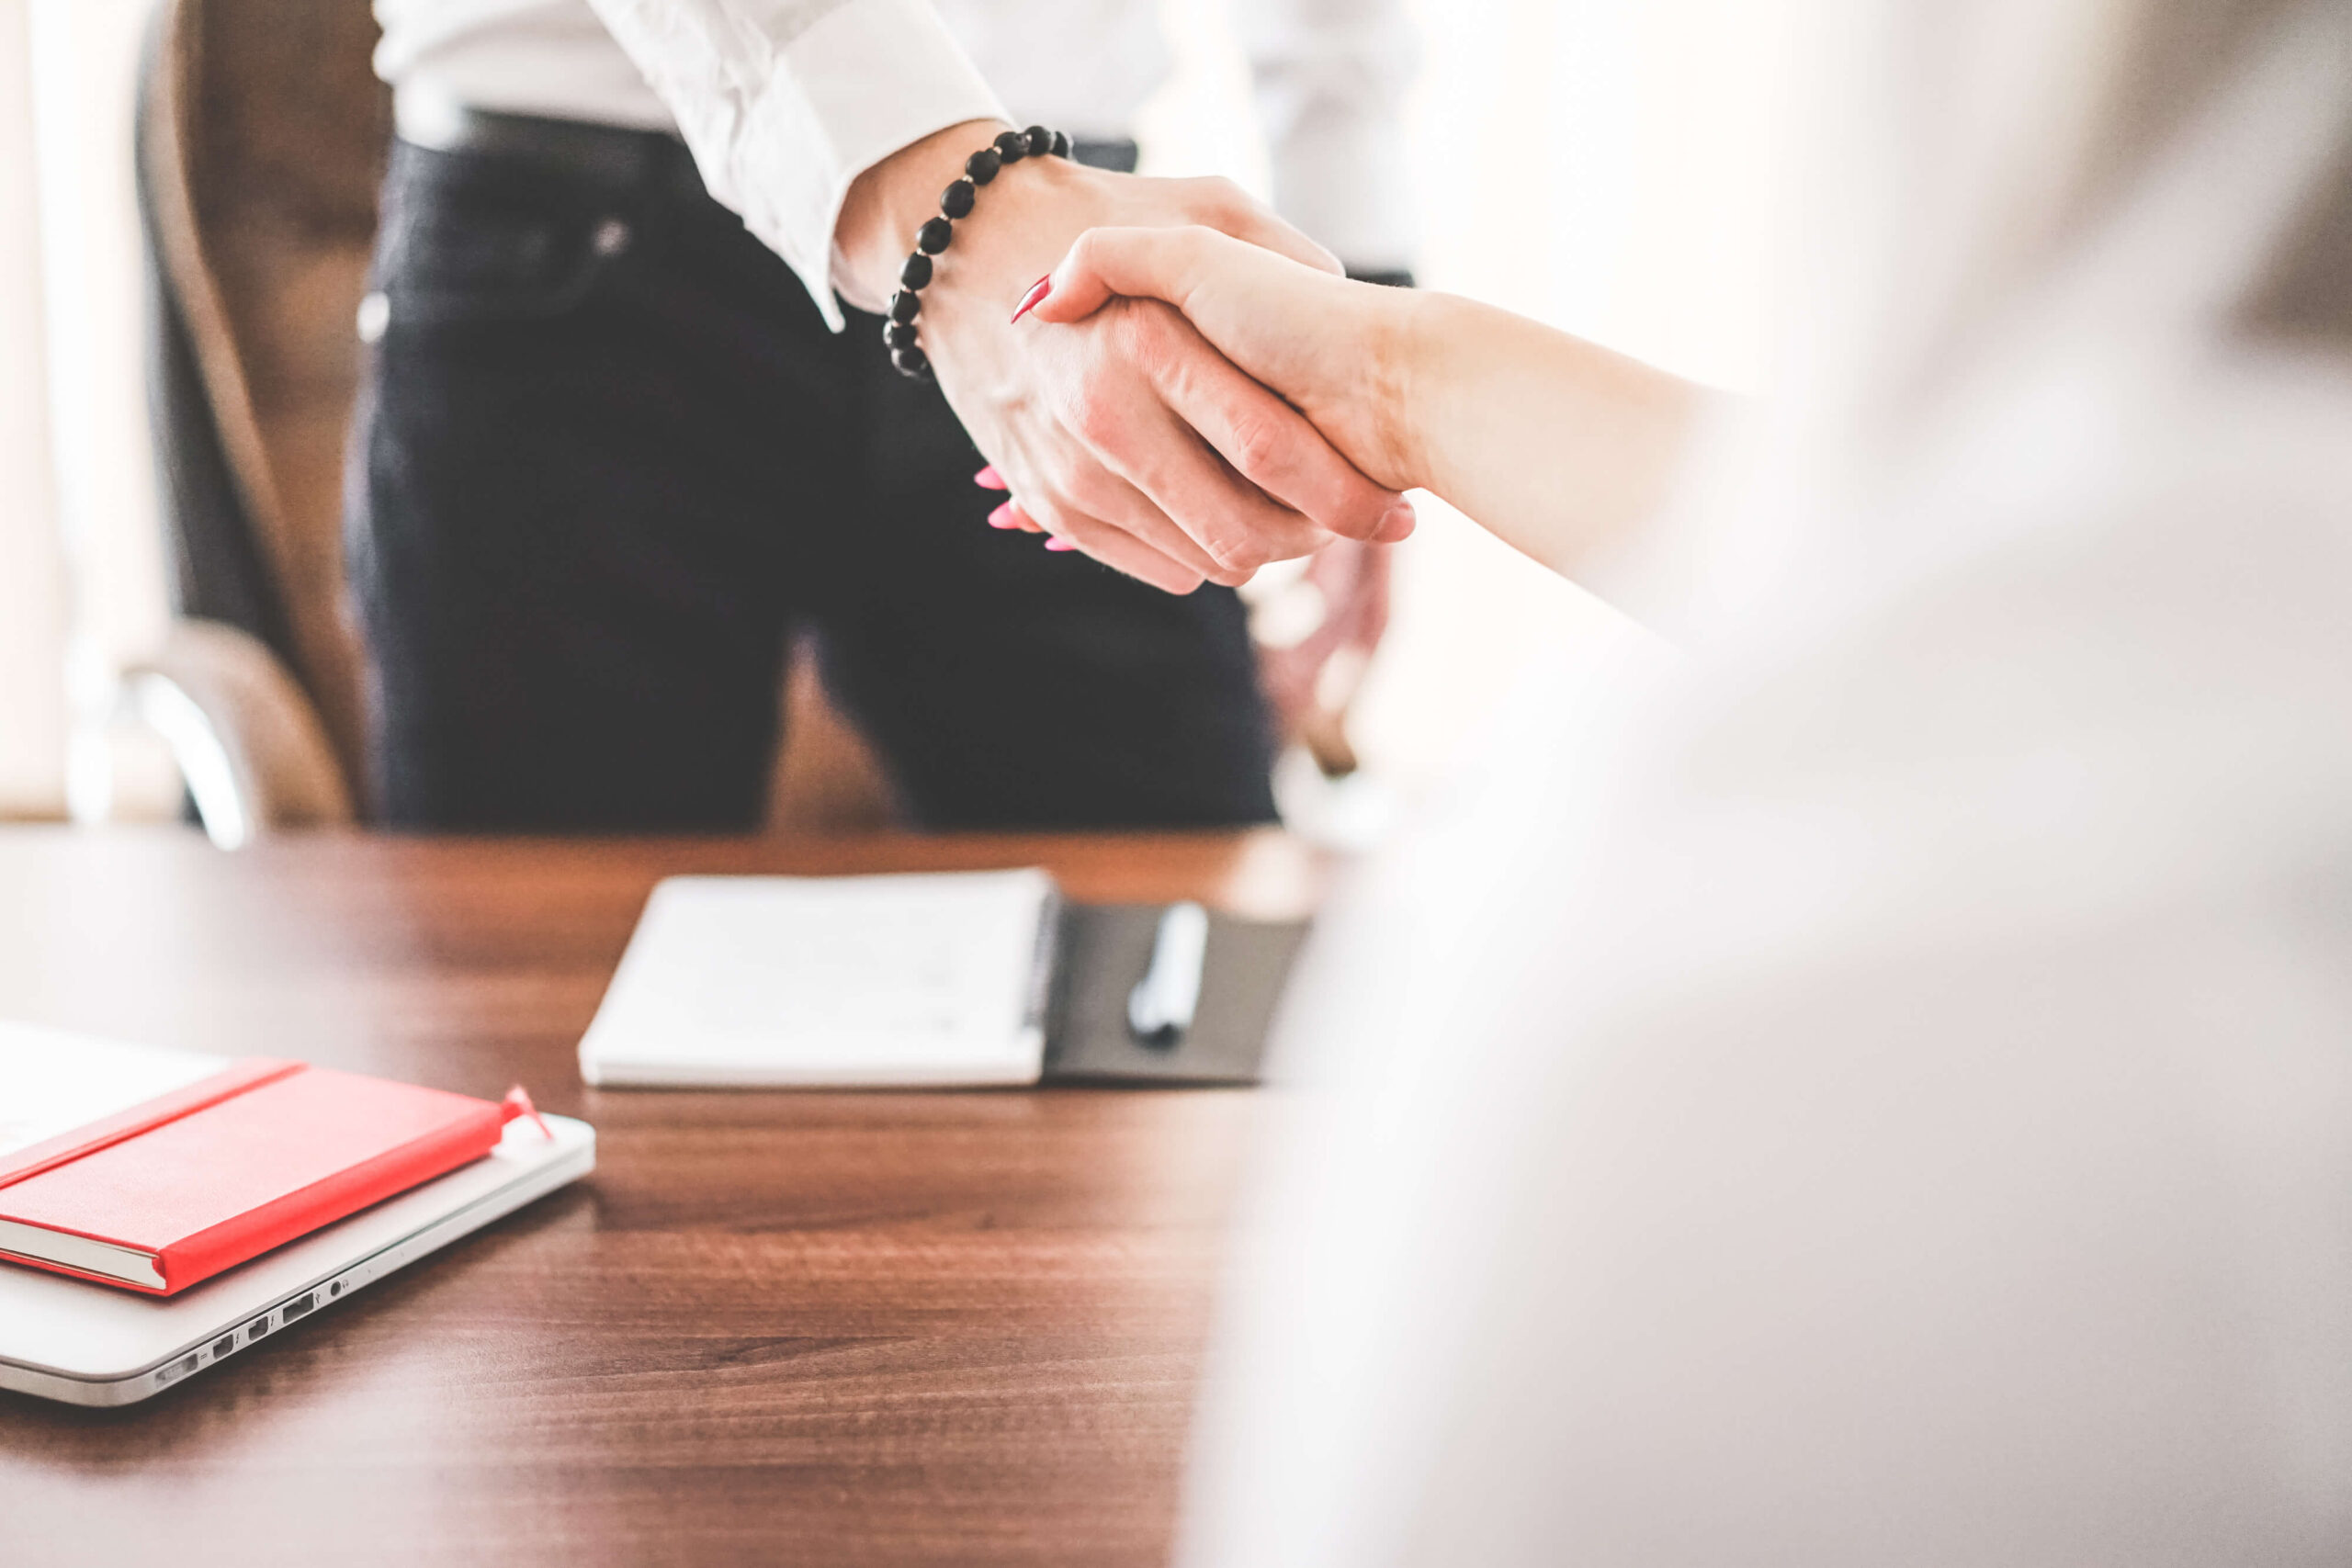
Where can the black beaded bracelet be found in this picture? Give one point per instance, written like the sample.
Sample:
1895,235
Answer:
938,233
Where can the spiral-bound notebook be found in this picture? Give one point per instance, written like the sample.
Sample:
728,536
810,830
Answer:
940,980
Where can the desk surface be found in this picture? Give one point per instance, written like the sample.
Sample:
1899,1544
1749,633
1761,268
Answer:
777,1329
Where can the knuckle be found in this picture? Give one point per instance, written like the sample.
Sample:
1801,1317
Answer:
1048,472
1240,553
1047,513
1258,446
1221,198
1052,491
1086,253
1092,488
1092,412
1144,335
1174,576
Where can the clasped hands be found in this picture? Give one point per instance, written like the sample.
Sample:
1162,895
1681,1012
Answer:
1113,423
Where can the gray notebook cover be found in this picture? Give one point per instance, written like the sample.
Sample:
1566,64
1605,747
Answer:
1106,948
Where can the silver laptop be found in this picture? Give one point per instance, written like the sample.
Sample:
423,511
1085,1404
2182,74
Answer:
86,1344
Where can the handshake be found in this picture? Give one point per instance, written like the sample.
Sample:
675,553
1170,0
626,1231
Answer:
1115,425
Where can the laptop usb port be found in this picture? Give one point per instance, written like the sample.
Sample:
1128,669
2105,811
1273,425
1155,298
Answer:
223,1345
299,1305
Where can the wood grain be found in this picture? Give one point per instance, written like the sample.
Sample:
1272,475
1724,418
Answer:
772,1328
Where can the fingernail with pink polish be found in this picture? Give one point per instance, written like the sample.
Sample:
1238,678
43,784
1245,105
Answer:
1037,291
989,478
1004,517
1059,544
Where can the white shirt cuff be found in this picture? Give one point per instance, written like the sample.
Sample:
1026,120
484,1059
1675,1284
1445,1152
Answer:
783,112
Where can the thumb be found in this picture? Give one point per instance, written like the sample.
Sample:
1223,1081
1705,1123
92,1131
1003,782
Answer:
1139,263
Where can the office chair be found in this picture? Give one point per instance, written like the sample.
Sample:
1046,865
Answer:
260,136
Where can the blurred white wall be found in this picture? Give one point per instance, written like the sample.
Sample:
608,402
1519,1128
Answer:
32,563
84,55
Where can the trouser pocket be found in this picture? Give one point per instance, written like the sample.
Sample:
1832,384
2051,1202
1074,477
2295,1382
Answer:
470,237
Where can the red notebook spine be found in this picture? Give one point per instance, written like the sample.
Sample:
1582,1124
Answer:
347,1193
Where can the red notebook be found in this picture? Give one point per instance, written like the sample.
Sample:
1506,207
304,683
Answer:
173,1189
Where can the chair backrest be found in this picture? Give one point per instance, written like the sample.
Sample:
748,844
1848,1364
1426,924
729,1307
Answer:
262,137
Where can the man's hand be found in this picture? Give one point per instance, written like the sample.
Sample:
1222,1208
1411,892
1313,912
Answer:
1124,434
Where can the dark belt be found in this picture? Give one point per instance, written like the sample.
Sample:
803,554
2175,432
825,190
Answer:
606,155
614,154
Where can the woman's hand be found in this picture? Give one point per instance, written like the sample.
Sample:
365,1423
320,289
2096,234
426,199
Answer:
1332,349
1555,445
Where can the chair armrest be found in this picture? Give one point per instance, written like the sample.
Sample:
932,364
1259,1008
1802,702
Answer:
248,741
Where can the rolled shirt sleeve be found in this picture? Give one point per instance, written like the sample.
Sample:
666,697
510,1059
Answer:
1330,77
784,103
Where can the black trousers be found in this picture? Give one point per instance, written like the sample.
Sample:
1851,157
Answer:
609,460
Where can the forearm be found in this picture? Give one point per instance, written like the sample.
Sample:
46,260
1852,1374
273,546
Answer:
1555,444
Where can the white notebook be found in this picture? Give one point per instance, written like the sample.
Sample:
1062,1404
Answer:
836,981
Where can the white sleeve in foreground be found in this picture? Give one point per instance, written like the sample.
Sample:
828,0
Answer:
785,102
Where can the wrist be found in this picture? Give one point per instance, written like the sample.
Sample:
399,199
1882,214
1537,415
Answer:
1025,221
1410,333
889,201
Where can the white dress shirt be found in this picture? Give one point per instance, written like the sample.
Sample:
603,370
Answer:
784,102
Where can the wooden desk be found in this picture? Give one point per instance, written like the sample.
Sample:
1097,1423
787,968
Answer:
773,1328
